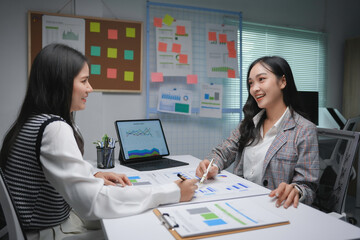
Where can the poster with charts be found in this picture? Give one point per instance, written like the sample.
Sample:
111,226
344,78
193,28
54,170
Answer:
174,48
220,216
221,54
174,100
211,101
65,30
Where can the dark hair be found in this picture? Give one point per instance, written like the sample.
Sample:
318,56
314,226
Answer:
280,68
49,91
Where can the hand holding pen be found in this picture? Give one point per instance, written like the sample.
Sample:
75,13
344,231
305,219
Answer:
206,170
187,187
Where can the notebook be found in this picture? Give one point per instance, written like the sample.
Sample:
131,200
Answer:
143,145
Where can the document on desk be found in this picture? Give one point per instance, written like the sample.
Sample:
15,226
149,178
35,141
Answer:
223,186
217,218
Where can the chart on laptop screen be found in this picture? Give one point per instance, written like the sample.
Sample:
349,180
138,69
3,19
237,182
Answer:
142,139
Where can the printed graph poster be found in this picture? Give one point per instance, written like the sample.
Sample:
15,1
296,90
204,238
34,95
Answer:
176,101
211,101
222,59
174,48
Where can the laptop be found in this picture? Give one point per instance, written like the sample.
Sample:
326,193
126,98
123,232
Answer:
143,145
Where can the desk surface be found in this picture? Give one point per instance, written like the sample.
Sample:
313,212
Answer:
305,222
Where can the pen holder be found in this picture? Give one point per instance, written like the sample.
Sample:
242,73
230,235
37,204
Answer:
105,157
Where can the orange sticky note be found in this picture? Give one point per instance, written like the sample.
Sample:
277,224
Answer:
112,34
176,48
111,73
212,36
157,22
157,77
231,73
162,47
183,58
231,46
222,38
232,54
180,30
192,79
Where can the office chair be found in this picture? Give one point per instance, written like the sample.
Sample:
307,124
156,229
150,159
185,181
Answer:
341,147
12,229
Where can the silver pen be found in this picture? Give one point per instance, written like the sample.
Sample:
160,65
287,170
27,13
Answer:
206,172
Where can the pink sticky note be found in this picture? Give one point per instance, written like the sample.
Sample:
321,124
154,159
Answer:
222,38
111,73
157,22
157,77
183,58
112,34
176,47
231,46
162,47
180,30
192,79
231,73
212,36
232,54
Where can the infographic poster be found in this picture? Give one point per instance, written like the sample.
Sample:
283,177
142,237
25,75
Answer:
211,101
173,100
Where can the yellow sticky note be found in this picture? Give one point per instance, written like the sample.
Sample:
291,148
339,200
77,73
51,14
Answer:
129,76
112,52
168,20
130,32
94,27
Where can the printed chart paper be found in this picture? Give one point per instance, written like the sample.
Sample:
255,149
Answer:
222,59
174,48
173,100
66,30
211,101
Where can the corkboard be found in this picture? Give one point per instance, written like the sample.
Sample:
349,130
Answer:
124,39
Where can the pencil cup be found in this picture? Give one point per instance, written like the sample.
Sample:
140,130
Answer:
105,157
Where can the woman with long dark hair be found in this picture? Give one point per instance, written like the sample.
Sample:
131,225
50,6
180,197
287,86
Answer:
275,145
41,158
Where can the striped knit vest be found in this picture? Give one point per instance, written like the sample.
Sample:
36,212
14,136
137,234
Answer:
39,205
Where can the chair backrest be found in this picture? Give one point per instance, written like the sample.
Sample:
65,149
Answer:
351,123
13,227
337,150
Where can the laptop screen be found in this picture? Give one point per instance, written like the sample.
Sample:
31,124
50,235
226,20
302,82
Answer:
141,139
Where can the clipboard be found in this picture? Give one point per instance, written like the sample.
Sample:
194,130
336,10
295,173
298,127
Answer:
173,226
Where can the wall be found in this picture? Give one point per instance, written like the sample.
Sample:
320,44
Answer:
332,16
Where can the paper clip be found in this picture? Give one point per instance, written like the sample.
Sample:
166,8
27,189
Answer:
169,221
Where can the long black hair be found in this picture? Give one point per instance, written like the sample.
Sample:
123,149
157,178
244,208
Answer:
281,68
49,91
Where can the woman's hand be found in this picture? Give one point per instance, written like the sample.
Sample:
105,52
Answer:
111,178
287,194
201,169
187,189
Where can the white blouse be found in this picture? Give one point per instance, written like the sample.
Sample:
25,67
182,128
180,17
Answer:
73,178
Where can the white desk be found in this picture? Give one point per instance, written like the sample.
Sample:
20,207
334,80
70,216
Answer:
305,222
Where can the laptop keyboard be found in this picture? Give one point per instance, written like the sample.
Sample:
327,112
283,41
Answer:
155,165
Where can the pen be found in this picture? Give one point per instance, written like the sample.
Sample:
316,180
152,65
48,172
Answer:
181,177
207,171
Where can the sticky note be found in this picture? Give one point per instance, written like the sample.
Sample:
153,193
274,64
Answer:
111,72
222,38
168,20
129,76
157,22
183,58
112,52
192,79
180,30
232,54
176,47
231,46
231,73
162,47
130,32
112,34
157,77
94,27
212,36
95,69
95,51
128,54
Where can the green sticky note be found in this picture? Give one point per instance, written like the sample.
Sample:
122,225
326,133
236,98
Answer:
168,20
130,32
129,76
129,55
112,52
95,51
183,108
95,27
95,69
